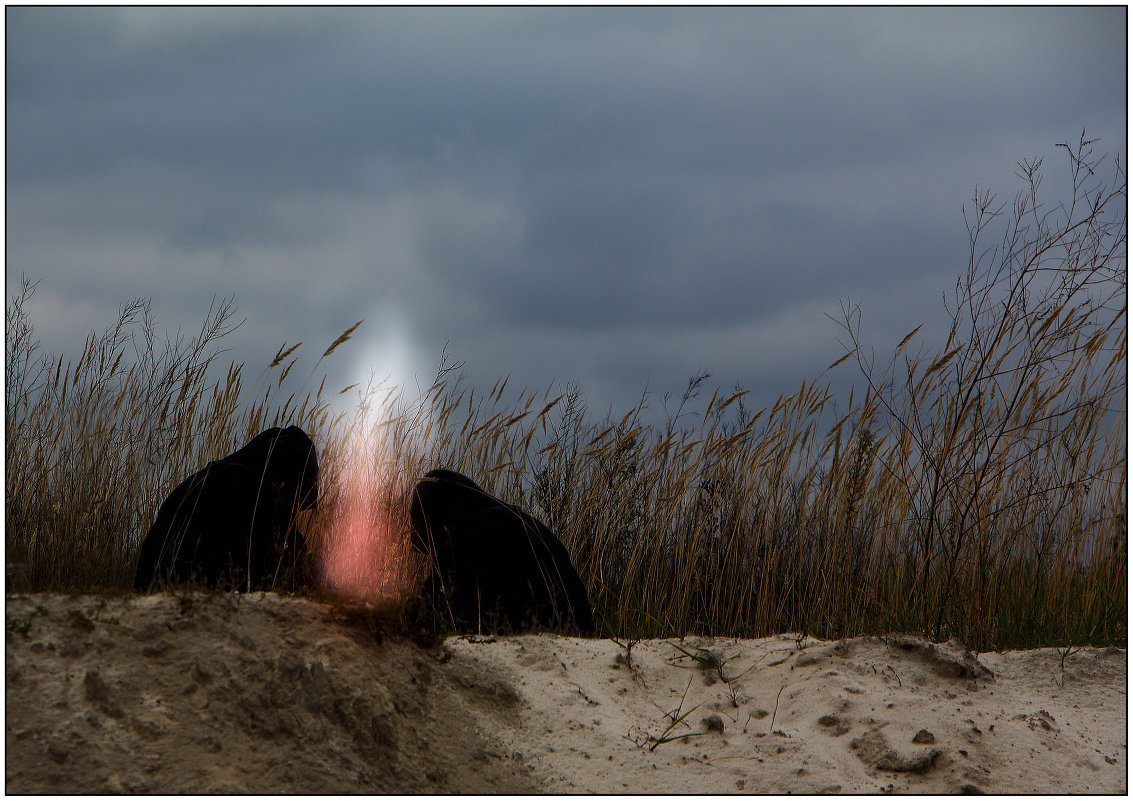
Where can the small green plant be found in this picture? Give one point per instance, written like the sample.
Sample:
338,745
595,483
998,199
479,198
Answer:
23,627
1063,655
676,718
704,659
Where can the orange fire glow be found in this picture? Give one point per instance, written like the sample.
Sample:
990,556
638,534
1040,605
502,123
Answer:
363,546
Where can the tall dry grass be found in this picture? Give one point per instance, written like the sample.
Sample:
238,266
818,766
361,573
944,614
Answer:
973,490
93,445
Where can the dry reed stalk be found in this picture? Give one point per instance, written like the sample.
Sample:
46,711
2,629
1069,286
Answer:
973,491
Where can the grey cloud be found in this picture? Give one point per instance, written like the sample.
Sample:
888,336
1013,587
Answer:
618,195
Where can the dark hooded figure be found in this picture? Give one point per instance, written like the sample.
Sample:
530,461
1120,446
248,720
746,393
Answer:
232,525
492,566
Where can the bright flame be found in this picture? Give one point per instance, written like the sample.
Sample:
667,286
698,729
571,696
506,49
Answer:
364,546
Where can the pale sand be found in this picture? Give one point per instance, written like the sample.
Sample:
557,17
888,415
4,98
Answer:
261,694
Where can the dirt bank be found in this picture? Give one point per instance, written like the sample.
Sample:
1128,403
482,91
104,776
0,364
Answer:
226,693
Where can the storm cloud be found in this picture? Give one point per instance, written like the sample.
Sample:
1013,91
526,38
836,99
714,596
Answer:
613,198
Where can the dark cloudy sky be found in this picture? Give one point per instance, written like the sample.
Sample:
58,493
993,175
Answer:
613,197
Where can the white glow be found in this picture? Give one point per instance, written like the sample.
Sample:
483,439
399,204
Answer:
387,356
363,556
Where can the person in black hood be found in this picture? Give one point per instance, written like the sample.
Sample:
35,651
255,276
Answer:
492,566
232,525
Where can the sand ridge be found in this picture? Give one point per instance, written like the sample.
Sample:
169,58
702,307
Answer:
794,715
257,693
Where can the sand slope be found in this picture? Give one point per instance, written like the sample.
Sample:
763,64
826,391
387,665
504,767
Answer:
256,693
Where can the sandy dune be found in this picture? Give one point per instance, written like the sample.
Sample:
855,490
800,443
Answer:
261,694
